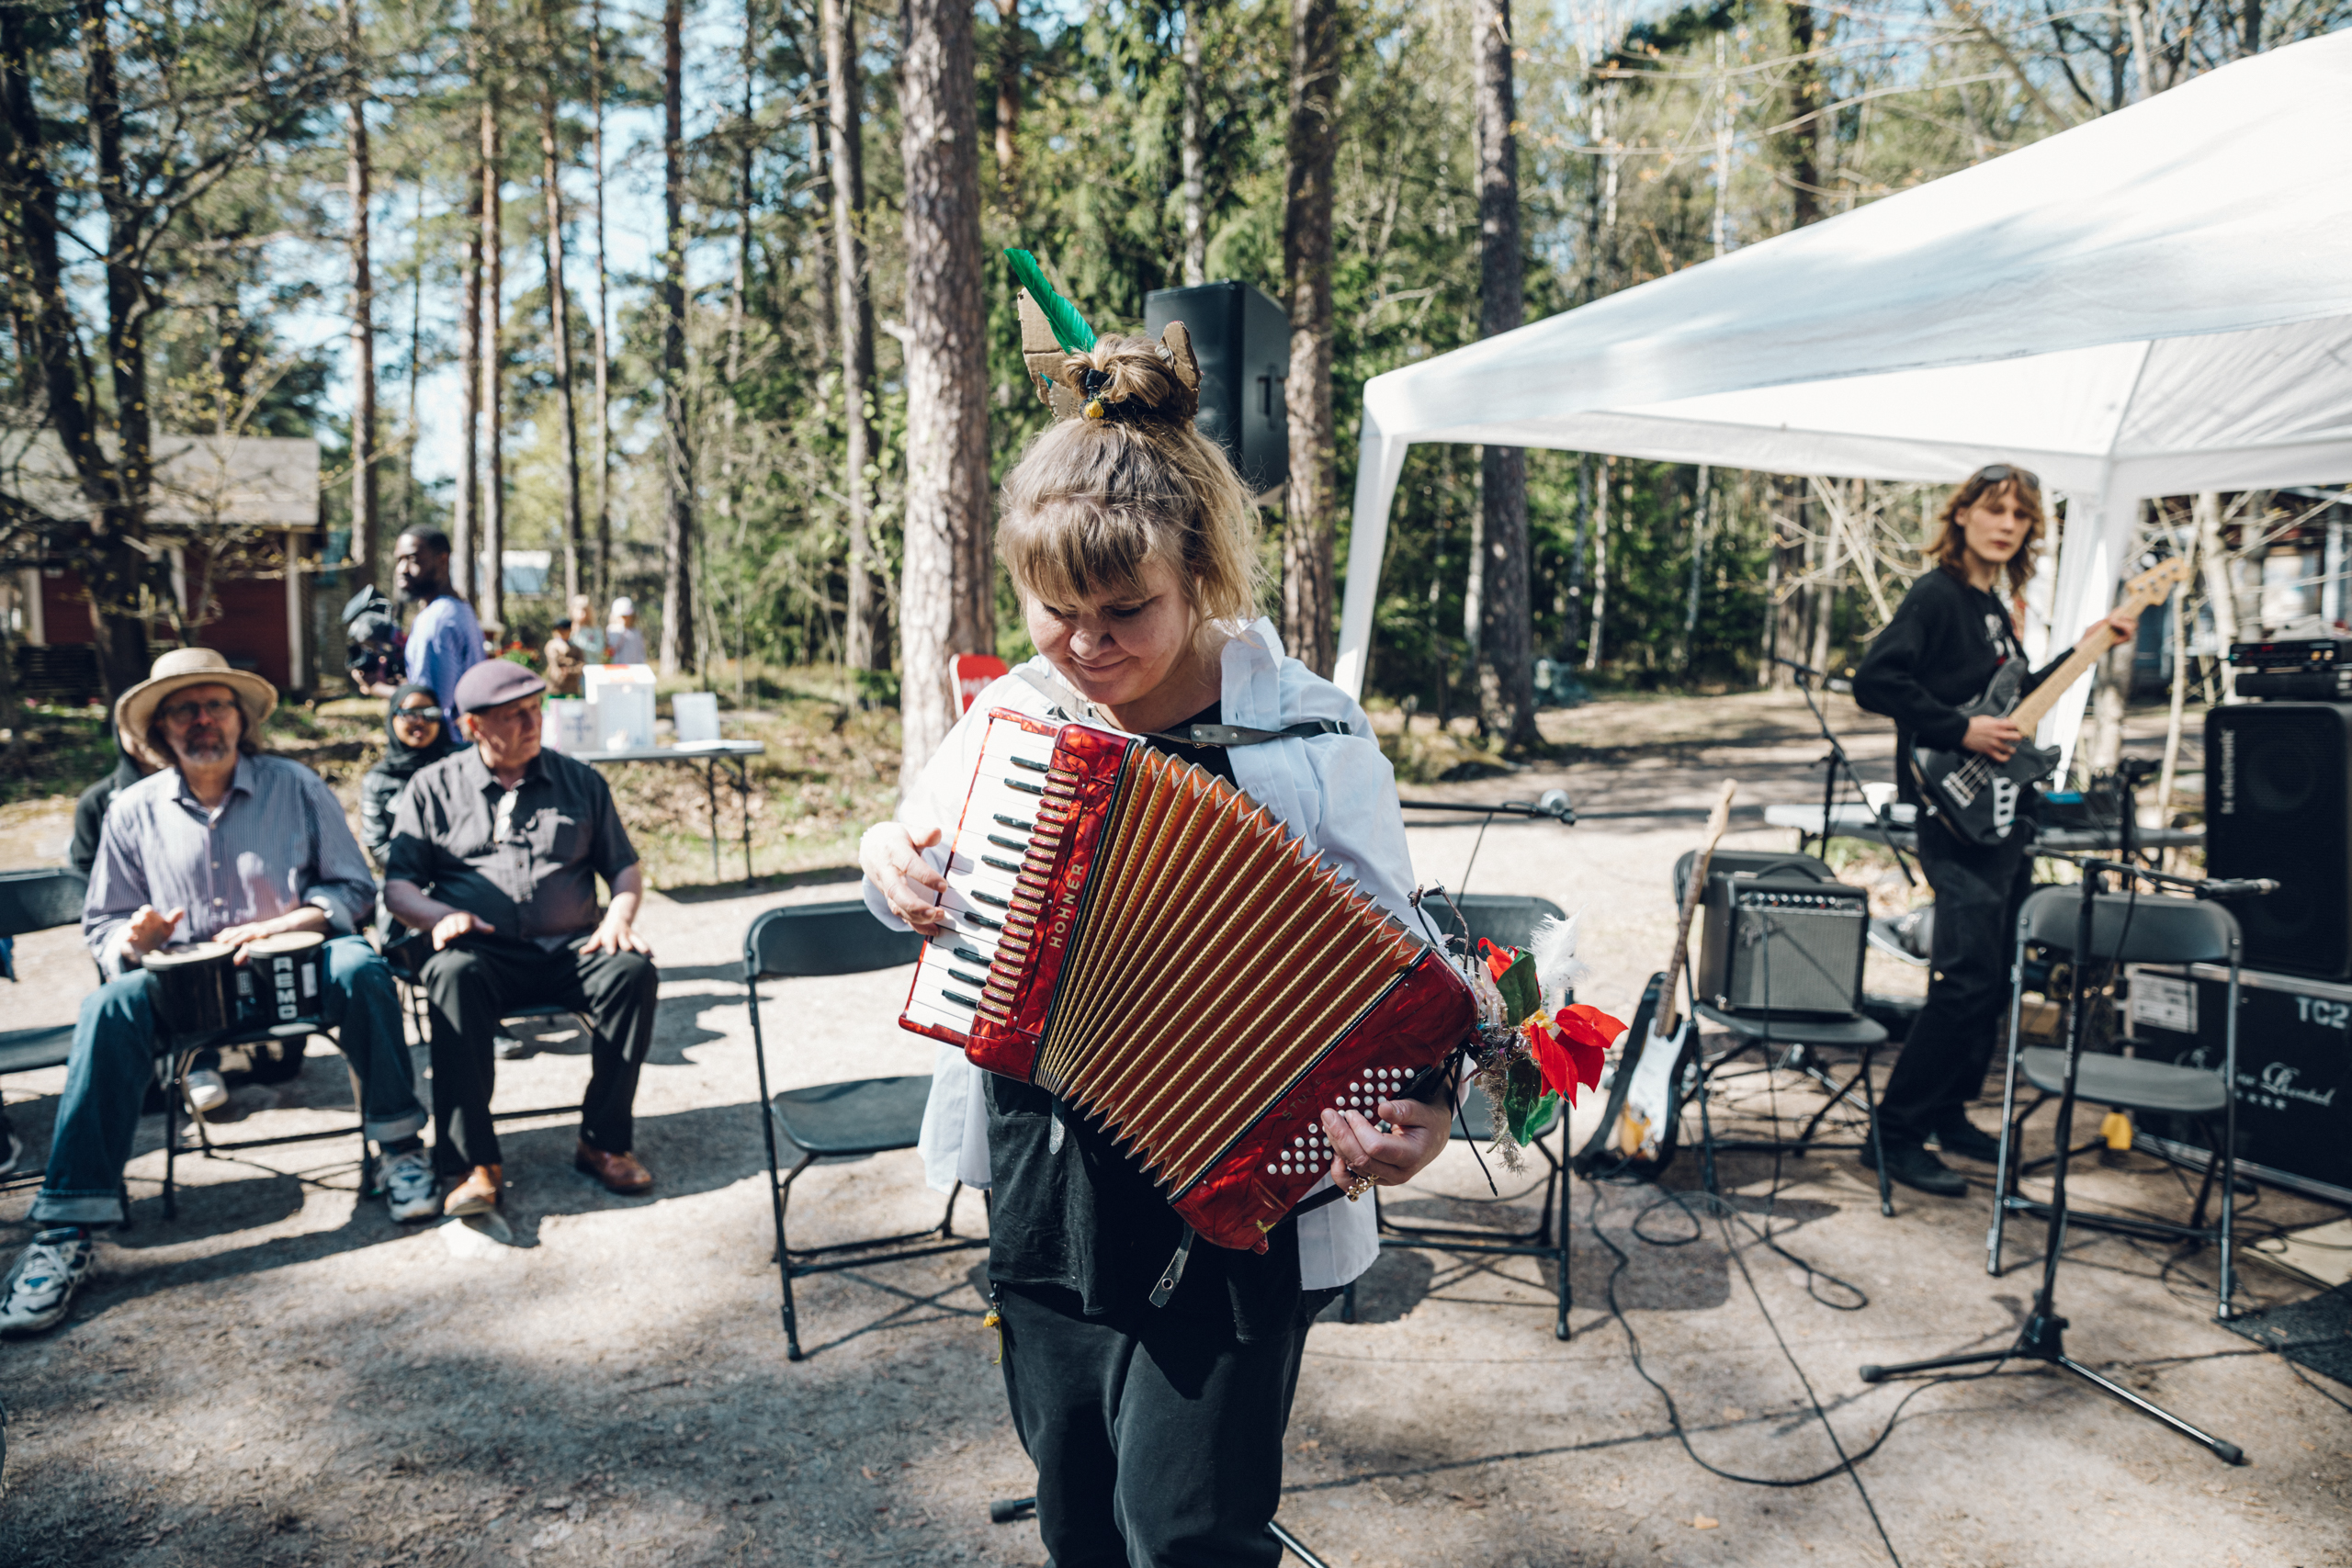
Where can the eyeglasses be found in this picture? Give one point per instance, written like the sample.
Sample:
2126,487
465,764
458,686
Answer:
215,709
417,715
2001,473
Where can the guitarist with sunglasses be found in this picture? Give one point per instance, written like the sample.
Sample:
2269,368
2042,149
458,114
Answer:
1938,654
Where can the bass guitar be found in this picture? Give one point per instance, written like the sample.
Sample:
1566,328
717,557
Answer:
1643,1118
1977,798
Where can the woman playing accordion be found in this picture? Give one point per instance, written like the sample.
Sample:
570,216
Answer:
1157,1429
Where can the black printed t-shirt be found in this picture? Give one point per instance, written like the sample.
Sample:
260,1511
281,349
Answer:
1071,1212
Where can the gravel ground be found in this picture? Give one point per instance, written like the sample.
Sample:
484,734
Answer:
281,1376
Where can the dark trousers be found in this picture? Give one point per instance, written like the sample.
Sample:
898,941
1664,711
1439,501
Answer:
1158,1442
1942,1067
470,984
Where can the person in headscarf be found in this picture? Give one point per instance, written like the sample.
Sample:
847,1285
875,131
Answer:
90,810
415,738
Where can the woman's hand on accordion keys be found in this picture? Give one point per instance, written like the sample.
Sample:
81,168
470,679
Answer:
892,860
1361,1151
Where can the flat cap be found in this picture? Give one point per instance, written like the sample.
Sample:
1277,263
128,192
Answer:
494,682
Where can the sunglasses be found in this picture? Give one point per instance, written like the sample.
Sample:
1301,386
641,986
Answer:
2002,473
417,715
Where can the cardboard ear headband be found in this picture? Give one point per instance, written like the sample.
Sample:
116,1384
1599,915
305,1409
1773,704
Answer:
1053,335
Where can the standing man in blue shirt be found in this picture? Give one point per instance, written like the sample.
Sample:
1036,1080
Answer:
445,640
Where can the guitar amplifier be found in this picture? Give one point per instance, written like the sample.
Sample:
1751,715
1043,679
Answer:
1783,940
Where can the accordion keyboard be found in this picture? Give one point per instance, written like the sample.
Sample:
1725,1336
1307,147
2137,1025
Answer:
983,868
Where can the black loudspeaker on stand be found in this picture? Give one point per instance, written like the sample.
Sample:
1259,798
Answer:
2043,1336
2279,806
1242,341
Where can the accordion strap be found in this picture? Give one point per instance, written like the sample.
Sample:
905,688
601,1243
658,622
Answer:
1069,706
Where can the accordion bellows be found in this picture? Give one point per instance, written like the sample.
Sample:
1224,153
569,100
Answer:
1140,938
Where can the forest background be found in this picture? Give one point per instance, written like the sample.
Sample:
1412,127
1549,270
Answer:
630,282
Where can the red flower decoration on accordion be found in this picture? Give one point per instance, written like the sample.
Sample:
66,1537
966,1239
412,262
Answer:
1570,1045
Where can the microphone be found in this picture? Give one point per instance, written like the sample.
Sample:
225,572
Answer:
2235,887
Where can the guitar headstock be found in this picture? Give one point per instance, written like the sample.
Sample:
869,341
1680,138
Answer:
2152,585
1719,820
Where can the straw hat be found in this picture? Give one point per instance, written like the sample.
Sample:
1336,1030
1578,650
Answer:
135,709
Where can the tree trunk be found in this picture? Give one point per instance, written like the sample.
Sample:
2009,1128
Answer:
1307,591
1592,651
490,586
118,570
1196,243
1699,507
1785,625
604,318
415,355
575,534
1801,142
68,397
363,324
466,525
1505,663
1572,619
853,305
1008,93
678,472
945,592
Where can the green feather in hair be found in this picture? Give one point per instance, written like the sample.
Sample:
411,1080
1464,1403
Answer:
1070,328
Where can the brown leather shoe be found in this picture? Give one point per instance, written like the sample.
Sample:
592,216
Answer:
619,1173
478,1194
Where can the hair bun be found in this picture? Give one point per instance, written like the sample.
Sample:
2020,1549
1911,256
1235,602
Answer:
1134,378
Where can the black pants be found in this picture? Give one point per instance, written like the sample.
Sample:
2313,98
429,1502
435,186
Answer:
472,983
1942,1067
1158,1441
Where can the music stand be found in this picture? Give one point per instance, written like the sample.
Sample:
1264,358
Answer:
2043,1336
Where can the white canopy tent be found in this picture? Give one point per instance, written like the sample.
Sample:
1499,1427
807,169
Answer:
2156,302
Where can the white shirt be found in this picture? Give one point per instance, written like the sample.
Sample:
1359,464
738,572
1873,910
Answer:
1335,792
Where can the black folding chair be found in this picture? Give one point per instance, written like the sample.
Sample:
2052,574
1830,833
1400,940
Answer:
1506,920
2127,929
37,902
836,1120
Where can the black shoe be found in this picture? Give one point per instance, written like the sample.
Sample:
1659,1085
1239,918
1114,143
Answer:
1913,1165
1963,1139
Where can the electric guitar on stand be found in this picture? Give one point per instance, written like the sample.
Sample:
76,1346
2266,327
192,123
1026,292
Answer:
1977,798
1643,1116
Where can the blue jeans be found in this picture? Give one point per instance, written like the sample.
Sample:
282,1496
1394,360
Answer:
113,1062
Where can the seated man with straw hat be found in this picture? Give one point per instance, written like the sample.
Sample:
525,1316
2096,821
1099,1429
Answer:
222,844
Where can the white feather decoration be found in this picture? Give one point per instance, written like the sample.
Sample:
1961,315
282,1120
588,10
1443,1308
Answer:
1552,945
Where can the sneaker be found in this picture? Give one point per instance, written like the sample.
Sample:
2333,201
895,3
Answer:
206,1092
42,1285
506,1047
1913,1165
1965,1139
409,1188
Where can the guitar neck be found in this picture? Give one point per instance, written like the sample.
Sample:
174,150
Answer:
2029,713
1669,1005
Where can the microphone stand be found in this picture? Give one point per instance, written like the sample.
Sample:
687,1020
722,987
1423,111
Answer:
1836,760
2043,1336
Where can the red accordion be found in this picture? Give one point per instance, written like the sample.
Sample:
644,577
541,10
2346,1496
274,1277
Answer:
1136,935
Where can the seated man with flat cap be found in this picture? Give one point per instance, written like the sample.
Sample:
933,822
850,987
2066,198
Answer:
219,844
495,852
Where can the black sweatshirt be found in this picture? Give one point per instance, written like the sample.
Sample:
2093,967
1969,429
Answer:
1939,651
